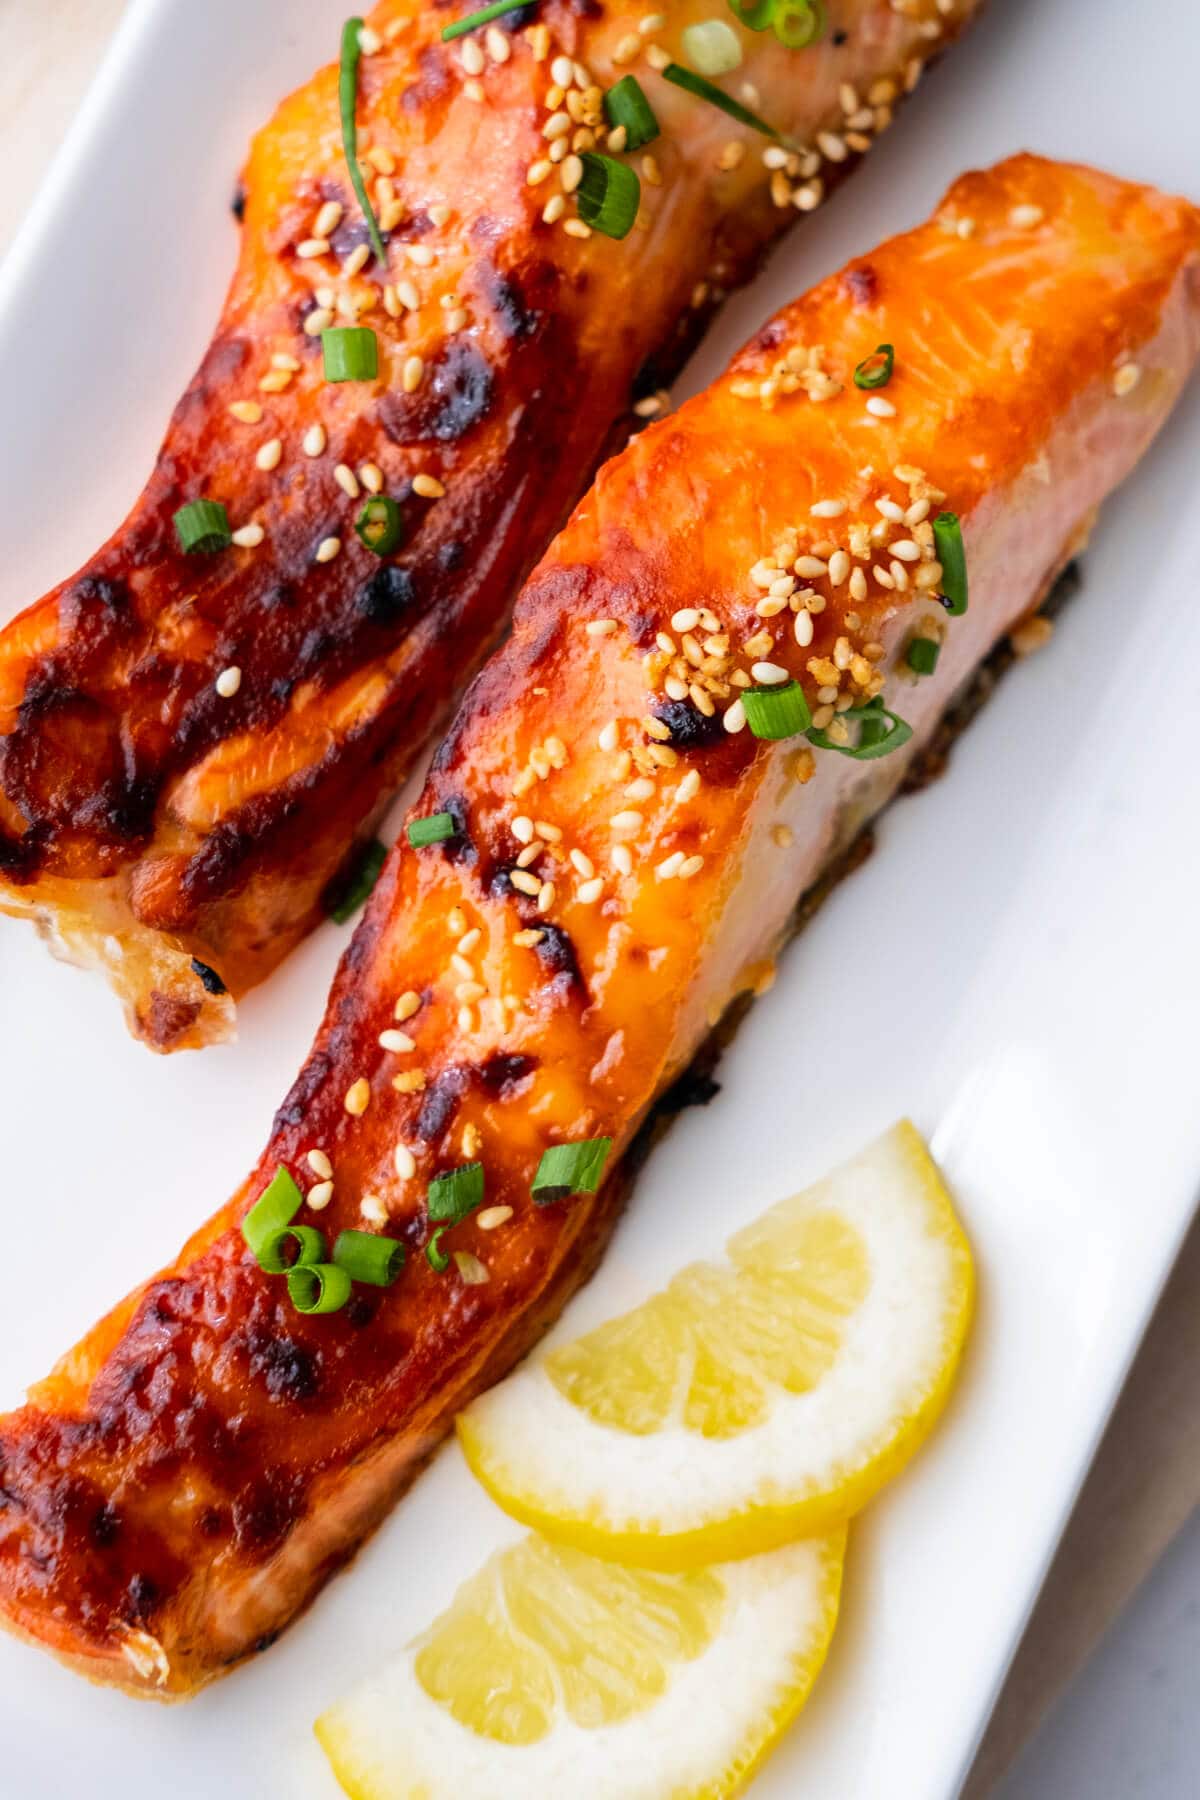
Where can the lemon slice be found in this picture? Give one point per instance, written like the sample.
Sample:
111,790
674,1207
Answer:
554,1673
754,1400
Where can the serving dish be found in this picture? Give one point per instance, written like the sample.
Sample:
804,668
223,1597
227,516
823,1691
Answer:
1016,1007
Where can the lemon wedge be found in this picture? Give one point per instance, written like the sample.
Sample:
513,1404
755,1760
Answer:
754,1400
554,1673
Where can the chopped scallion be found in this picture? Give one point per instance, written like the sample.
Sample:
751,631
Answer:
875,371
368,1257
625,104
608,195
348,100
874,740
274,1209
798,23
433,830
704,90
922,655
380,525
451,1197
948,541
291,1248
318,1287
777,712
756,15
358,889
202,527
351,353
484,16
435,1256
570,1169
713,46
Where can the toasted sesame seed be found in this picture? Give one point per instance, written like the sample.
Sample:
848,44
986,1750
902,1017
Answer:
328,548
372,1209
471,56
562,71
312,247
522,829
583,864
397,1041
538,171
404,1161
734,717
408,1004
576,228
839,567
906,550
462,967
492,1216
347,480
474,90
320,1164
622,859
412,374
627,48
409,1081
589,891
832,146
328,218
803,628
420,255
570,173
810,567
1032,635
498,46
546,895
556,126
608,738
600,627
641,789
371,476
881,407
554,209
317,321
228,682
473,1272
246,412
357,1097
407,295
428,486
528,940
691,867
629,821
319,1196
1024,218
468,941
524,882
689,787
270,454
1126,379
249,537
669,867
769,674
827,509
314,440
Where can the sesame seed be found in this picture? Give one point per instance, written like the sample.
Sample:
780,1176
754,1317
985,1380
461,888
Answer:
249,537
627,48
551,833
689,787
246,412
641,789
319,320
467,991
275,382
1032,635
539,42
228,682
839,567
468,941
410,1081
906,550
589,891
328,219
498,46
734,717
576,228
408,1004
583,864
347,480
1024,218
881,408
556,126
528,940
474,90
471,57
538,171
827,509
371,476
405,1162
412,374
803,628
269,454
691,867
314,440
810,566
917,513
546,894
328,548
600,627
554,209
1126,379
319,1196
357,260
608,736
629,821
419,254
832,146
522,829
492,1216
320,1164
669,867
562,71
372,1209
890,510
428,486
408,296
570,173
651,171
358,1097
622,859
462,967
769,674
312,247
397,1041
474,1273
524,882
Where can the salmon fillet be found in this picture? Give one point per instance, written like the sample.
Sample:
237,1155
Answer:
623,859
192,747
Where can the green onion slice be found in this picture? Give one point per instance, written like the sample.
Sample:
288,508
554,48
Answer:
274,1209
202,526
435,1256
704,90
947,536
433,830
922,656
875,371
451,1197
380,525
756,16
713,46
360,885
368,1257
484,16
608,195
875,739
570,1169
351,353
777,712
626,104
348,100
291,1248
798,23
318,1287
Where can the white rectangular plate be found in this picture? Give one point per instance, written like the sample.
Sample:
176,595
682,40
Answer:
1021,950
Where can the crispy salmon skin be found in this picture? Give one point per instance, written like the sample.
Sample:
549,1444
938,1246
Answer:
623,859
192,746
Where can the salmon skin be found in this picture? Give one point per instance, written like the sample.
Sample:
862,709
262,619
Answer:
623,859
193,747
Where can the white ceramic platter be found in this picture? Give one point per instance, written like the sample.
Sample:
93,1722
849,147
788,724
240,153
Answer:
1026,930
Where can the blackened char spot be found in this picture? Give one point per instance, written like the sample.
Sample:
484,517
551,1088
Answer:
690,728
695,1087
305,1089
209,978
316,647
518,17
441,1102
459,848
501,1073
451,554
556,953
387,596
839,38
262,1516
237,205
287,1369
265,1641
104,1526
141,1597
462,388
862,284
431,85
515,317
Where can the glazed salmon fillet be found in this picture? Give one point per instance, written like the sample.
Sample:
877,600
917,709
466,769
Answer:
619,856
194,747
